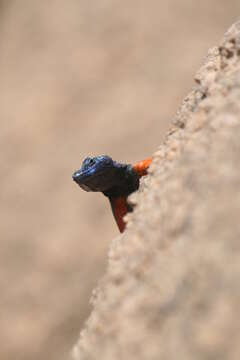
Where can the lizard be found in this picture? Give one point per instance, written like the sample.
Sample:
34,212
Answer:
115,180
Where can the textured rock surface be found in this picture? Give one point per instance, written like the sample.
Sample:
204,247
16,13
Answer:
79,78
172,284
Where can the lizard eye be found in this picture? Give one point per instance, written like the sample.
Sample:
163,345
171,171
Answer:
88,162
91,162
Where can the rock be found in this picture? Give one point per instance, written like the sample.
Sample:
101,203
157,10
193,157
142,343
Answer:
172,289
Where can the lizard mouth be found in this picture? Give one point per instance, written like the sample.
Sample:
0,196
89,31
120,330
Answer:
80,179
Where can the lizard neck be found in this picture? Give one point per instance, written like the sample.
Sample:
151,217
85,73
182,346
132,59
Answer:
127,184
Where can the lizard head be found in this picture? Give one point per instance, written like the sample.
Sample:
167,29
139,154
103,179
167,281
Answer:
102,173
98,173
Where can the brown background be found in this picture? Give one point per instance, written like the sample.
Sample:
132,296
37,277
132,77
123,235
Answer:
80,78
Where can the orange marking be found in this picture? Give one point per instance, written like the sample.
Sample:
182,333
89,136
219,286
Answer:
120,209
142,166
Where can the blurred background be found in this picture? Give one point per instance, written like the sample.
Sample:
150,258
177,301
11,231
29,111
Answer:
80,78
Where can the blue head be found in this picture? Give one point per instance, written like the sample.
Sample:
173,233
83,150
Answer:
97,173
102,174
